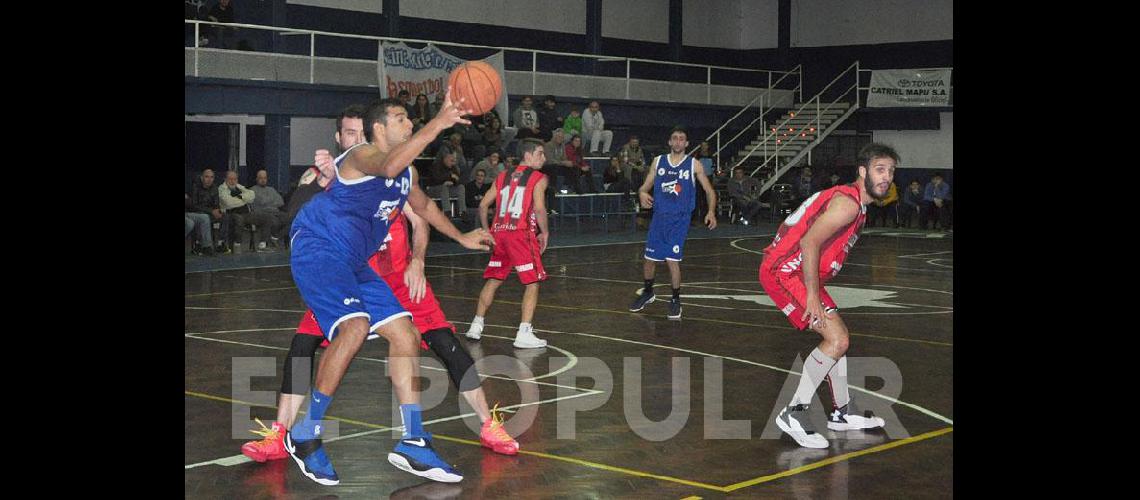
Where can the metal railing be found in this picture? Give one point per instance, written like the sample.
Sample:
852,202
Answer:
763,97
772,135
629,62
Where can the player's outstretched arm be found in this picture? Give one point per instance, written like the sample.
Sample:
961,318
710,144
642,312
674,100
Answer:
478,239
372,161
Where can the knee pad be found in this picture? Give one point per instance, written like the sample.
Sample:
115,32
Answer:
301,352
460,366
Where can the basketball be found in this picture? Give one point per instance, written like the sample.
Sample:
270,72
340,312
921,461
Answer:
478,84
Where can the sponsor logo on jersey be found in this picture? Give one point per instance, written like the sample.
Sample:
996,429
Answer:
792,265
384,211
788,309
671,187
350,300
524,267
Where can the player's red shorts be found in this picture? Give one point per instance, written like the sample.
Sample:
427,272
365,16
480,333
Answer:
517,250
789,294
426,315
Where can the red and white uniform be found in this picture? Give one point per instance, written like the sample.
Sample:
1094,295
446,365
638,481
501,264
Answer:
389,262
780,272
513,227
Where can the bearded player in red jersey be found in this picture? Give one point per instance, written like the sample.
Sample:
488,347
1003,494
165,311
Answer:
519,210
808,250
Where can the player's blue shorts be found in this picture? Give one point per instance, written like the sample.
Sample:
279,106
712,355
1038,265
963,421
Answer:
667,233
336,290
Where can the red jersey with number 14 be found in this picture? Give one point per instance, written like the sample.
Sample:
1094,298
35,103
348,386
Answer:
514,203
784,256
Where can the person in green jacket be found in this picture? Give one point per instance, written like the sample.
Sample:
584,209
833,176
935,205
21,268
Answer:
572,125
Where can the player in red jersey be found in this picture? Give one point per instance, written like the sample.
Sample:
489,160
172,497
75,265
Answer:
808,250
402,269
521,207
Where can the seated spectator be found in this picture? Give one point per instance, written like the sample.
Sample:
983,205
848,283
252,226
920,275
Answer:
204,200
490,165
493,135
804,186
937,201
235,201
454,144
593,127
912,204
572,125
476,189
833,180
420,113
613,179
886,210
526,119
704,155
199,224
574,155
442,181
557,165
405,97
548,118
223,36
633,161
743,191
267,201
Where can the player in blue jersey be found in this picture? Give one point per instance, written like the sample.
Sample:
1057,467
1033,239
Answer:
673,181
332,239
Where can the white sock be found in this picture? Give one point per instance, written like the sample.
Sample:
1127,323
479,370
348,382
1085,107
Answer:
815,369
837,379
477,321
525,327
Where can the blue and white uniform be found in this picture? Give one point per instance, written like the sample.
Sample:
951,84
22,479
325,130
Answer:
674,198
332,238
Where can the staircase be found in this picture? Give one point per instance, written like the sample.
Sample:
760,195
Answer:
780,144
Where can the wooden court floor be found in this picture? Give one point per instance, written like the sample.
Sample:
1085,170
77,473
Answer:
656,407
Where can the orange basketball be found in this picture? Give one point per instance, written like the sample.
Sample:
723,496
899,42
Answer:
478,84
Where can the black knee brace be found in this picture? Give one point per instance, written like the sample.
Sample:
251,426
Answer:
460,366
301,353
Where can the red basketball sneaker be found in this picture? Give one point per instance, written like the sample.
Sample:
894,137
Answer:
272,447
495,437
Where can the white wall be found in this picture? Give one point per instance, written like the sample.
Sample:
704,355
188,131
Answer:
310,134
820,23
642,20
730,24
373,6
563,16
922,148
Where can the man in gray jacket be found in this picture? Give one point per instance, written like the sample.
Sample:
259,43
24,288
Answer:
269,202
235,201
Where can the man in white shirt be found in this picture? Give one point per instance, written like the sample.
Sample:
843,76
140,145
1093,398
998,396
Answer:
592,126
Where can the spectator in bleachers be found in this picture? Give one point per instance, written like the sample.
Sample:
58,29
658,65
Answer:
743,191
268,202
199,224
633,161
223,36
886,209
575,155
833,180
478,187
613,179
704,155
548,118
454,144
235,201
442,181
593,126
937,200
557,165
804,185
437,103
204,200
572,125
421,112
912,204
526,119
405,97
490,165
493,135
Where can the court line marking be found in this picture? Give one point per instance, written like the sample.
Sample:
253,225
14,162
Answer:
838,458
934,262
919,255
733,244
240,459
573,359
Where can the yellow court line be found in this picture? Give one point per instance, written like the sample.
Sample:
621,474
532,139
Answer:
690,318
838,458
694,497
586,463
